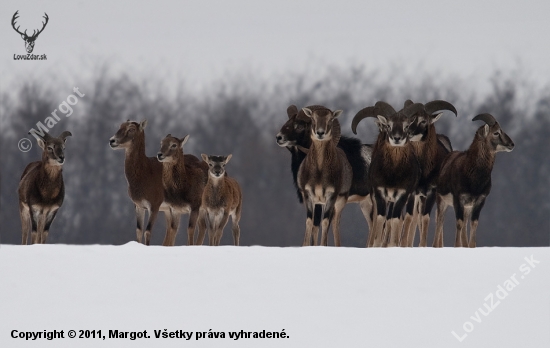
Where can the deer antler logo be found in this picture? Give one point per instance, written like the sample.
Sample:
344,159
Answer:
29,40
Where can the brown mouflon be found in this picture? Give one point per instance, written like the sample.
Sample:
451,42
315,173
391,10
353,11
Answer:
295,136
143,174
222,197
183,178
465,180
430,149
394,170
325,177
41,189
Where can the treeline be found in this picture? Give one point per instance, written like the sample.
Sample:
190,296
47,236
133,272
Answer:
241,116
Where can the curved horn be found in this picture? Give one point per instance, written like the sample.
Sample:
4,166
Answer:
487,118
408,102
64,135
370,111
385,109
436,105
412,109
292,110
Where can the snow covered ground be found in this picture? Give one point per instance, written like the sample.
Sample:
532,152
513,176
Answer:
320,297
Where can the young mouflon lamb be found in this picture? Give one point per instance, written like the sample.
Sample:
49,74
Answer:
222,197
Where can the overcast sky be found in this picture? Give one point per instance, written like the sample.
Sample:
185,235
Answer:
203,40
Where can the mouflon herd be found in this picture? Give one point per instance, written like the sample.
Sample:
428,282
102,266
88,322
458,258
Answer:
396,181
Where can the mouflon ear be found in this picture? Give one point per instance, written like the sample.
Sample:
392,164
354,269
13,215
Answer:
308,112
383,120
184,140
486,130
41,143
435,117
292,110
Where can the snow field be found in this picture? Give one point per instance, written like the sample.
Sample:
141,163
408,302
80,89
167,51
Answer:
321,297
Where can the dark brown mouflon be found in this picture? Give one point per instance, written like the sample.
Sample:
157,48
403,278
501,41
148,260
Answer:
465,180
324,177
430,149
41,189
394,171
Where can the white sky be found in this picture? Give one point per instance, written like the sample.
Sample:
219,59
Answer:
201,41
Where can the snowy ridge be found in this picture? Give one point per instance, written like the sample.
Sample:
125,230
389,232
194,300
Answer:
321,297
